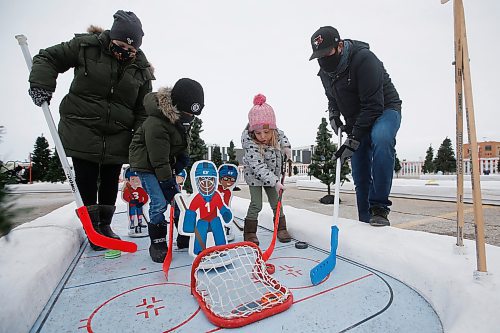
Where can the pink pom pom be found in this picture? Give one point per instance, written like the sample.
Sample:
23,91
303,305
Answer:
259,99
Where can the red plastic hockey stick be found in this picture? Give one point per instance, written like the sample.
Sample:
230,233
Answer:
168,258
83,214
267,254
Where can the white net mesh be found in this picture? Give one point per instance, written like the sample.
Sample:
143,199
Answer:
234,283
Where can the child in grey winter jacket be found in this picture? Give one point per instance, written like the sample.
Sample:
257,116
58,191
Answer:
264,146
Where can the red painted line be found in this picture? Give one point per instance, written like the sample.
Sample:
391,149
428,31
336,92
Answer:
184,322
314,295
328,290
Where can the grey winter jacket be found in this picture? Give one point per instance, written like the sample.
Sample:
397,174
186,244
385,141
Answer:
262,167
161,139
104,103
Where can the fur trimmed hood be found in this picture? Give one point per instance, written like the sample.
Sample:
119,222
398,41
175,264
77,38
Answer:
94,29
160,103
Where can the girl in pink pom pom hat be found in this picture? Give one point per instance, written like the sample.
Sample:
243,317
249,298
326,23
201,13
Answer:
263,144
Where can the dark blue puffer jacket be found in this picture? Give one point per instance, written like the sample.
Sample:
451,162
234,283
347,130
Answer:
361,91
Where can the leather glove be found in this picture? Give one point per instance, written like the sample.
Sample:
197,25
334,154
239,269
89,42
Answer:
288,153
169,189
337,123
346,151
40,95
279,187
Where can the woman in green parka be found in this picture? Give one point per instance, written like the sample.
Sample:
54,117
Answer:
102,109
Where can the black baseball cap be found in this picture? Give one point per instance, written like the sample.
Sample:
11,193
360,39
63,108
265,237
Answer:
324,41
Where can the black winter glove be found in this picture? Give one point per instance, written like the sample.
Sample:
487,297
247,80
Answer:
169,189
337,123
181,162
40,95
346,151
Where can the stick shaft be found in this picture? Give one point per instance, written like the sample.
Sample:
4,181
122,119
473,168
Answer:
459,123
52,128
338,169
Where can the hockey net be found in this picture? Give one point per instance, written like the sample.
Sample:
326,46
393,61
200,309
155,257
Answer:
233,288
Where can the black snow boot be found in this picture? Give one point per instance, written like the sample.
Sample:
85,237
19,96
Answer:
106,215
93,211
378,217
182,240
158,235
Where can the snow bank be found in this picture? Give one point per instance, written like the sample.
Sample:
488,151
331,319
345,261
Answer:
33,259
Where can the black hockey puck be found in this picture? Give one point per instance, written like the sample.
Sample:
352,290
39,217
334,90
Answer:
301,245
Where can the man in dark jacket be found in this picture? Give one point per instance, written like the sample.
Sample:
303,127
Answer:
102,108
359,89
159,153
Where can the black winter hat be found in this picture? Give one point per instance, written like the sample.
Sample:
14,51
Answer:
187,96
323,41
127,28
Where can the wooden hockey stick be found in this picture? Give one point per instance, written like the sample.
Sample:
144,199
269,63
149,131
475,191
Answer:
471,126
83,214
460,125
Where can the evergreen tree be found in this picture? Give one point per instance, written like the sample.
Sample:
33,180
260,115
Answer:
397,164
197,149
56,171
322,165
429,166
445,160
41,159
295,170
6,203
231,154
216,156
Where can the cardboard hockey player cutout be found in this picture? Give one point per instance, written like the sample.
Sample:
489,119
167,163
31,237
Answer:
136,197
204,211
228,176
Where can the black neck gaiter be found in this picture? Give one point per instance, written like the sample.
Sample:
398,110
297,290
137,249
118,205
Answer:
329,64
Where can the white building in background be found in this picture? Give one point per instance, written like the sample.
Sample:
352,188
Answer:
410,169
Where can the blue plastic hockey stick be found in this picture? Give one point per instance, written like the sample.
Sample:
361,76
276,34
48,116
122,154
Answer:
321,270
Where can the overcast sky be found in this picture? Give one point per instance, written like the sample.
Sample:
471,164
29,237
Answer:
237,49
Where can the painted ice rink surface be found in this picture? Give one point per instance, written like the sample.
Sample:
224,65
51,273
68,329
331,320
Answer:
130,294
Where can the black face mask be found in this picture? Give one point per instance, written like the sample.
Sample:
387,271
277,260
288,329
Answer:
329,64
186,120
123,54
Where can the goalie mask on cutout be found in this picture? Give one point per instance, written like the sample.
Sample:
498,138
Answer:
206,179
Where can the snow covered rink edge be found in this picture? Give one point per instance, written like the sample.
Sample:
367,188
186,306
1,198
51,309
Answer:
33,259
37,255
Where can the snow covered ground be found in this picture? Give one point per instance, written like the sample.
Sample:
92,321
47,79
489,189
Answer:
36,255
